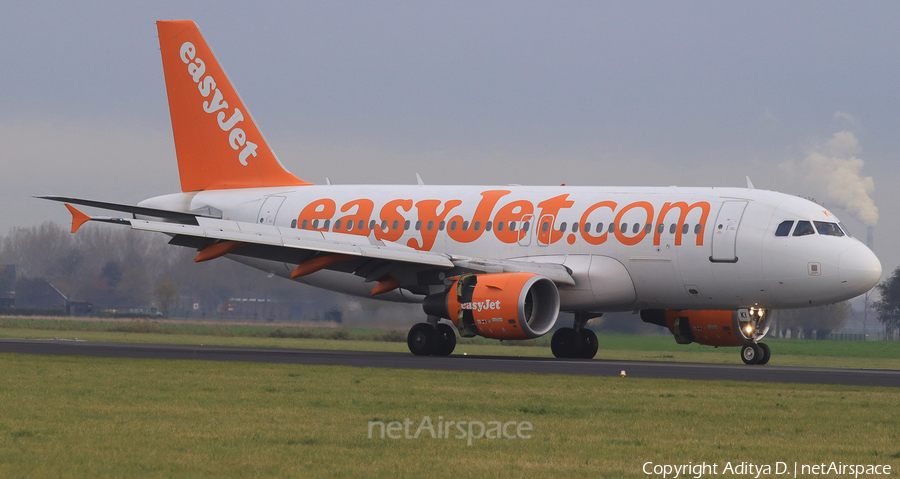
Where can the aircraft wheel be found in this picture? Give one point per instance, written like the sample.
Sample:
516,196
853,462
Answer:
766,353
446,340
565,343
751,354
422,339
589,344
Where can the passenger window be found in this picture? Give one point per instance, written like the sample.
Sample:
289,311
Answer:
361,225
383,225
525,226
623,228
395,225
337,225
293,223
660,228
418,225
372,224
804,228
562,226
599,227
784,228
315,224
327,222
512,225
545,226
587,227
465,225
648,229
499,226
612,227
305,223
636,228
488,225
697,229
441,225
684,229
430,225
672,229
453,226
350,225
477,226
828,229
406,225
575,227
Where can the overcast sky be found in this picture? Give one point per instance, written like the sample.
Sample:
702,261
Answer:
585,93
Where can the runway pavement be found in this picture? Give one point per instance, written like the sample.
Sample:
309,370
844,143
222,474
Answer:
505,364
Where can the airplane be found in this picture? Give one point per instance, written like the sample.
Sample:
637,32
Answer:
495,261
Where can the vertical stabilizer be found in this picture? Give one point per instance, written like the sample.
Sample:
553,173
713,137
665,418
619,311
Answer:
216,140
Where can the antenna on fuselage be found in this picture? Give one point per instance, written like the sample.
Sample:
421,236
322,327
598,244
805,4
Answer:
749,184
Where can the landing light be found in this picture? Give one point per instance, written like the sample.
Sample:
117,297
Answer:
749,329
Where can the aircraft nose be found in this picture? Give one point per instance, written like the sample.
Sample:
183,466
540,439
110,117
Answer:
859,269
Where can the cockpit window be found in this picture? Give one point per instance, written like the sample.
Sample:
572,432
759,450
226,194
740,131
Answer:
829,229
845,230
784,228
804,228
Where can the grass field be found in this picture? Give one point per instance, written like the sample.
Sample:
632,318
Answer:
856,354
90,417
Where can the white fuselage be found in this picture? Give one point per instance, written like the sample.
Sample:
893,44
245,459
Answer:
668,248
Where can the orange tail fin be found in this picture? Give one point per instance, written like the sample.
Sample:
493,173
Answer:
216,141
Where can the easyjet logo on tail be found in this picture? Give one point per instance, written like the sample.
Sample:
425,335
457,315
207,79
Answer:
237,138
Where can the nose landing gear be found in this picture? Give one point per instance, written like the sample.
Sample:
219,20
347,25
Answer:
756,353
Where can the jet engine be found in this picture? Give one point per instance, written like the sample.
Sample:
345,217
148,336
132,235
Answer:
712,328
498,306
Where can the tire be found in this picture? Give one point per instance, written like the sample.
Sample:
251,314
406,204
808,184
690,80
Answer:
446,340
565,343
751,354
589,344
766,353
422,339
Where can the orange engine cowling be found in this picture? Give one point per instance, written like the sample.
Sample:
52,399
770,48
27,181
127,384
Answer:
498,305
711,328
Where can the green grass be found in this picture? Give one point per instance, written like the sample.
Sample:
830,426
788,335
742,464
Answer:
96,417
850,354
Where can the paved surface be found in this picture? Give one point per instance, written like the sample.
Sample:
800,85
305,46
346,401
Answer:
506,364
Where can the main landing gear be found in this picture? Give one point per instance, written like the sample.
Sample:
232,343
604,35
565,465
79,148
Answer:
575,342
756,353
427,339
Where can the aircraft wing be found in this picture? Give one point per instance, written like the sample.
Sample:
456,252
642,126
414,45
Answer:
316,241
322,249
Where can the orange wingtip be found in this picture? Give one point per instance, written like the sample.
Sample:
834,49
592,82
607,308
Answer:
78,218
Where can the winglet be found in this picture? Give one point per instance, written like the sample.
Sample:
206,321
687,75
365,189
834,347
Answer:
78,218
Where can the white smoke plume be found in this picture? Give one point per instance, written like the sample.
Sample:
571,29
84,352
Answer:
834,169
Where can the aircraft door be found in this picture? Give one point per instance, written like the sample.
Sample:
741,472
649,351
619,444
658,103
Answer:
544,230
725,231
269,210
525,232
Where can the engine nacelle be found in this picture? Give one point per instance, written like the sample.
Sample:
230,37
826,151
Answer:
498,306
712,328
